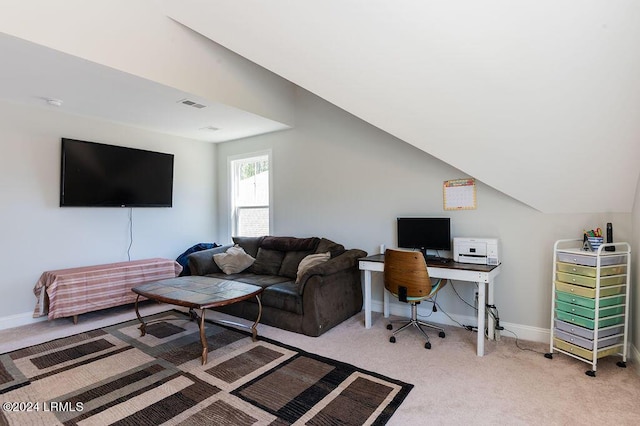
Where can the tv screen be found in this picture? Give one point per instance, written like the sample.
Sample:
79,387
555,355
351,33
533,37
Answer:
424,233
99,175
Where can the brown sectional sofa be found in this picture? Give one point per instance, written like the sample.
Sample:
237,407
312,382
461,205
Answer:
326,294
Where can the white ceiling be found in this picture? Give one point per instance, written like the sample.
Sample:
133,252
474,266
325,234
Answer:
31,73
537,99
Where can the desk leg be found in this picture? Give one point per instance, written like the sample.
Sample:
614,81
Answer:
482,300
491,322
367,298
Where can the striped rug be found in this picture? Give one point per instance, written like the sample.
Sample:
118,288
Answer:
114,376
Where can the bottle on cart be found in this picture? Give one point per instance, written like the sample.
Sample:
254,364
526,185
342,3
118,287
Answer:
610,237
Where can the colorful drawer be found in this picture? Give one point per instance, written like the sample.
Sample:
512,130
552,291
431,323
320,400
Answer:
591,259
591,271
588,302
606,311
589,292
585,353
586,322
590,281
585,332
587,343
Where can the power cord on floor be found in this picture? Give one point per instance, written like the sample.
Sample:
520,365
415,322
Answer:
520,347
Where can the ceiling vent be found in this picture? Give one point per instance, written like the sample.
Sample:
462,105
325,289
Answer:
191,103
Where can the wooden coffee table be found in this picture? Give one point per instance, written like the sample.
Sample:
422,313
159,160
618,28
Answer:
197,292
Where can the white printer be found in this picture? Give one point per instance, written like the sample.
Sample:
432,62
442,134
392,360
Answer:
481,251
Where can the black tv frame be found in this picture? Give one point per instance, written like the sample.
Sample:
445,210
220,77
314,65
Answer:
100,175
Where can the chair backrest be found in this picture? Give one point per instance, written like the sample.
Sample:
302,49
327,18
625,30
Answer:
406,269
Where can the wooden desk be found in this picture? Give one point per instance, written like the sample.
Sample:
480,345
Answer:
482,275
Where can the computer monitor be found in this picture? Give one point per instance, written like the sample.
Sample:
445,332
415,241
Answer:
425,233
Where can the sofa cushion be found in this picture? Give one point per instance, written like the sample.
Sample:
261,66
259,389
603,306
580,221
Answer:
283,296
290,243
268,262
291,261
326,245
309,261
201,262
249,244
234,260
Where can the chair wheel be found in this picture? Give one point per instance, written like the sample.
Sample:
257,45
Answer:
389,327
590,373
392,339
427,345
441,334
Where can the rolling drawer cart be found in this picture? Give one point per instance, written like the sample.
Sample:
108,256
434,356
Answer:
590,302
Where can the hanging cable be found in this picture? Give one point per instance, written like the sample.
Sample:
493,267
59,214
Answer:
130,233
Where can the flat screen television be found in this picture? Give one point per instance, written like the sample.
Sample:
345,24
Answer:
99,175
425,233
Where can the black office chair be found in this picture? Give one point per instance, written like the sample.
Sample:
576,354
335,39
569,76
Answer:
407,278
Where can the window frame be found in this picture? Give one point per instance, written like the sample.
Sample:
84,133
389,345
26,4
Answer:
232,178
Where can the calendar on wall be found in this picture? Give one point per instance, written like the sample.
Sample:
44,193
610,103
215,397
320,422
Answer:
459,194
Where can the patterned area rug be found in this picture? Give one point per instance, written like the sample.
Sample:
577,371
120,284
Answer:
114,376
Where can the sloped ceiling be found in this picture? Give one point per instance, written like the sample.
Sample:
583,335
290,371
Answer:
538,99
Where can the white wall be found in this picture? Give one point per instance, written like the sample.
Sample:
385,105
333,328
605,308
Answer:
37,235
338,177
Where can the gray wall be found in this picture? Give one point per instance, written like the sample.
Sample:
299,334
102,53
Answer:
338,177
37,235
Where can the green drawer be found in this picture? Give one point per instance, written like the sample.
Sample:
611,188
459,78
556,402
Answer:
587,312
590,271
589,302
586,322
590,281
589,292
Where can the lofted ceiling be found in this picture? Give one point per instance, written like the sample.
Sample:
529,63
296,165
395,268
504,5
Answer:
538,99
31,74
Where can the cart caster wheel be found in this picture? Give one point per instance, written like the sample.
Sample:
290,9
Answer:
590,373
548,355
392,339
621,364
441,334
389,327
427,345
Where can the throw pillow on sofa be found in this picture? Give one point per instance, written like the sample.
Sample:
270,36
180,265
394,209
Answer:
309,261
234,260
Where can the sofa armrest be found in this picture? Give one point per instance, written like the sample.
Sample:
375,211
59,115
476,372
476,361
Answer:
346,260
201,262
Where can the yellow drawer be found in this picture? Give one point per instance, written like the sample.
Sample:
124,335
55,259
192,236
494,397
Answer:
590,271
584,353
589,292
590,281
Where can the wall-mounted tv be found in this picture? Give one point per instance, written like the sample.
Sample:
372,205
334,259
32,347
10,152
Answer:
424,233
100,175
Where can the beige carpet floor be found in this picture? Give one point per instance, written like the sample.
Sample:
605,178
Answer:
453,386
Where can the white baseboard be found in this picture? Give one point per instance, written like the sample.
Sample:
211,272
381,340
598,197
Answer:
523,332
18,320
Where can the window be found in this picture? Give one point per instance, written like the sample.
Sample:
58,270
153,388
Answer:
250,212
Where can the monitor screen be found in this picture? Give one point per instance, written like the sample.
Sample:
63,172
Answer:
424,233
99,175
